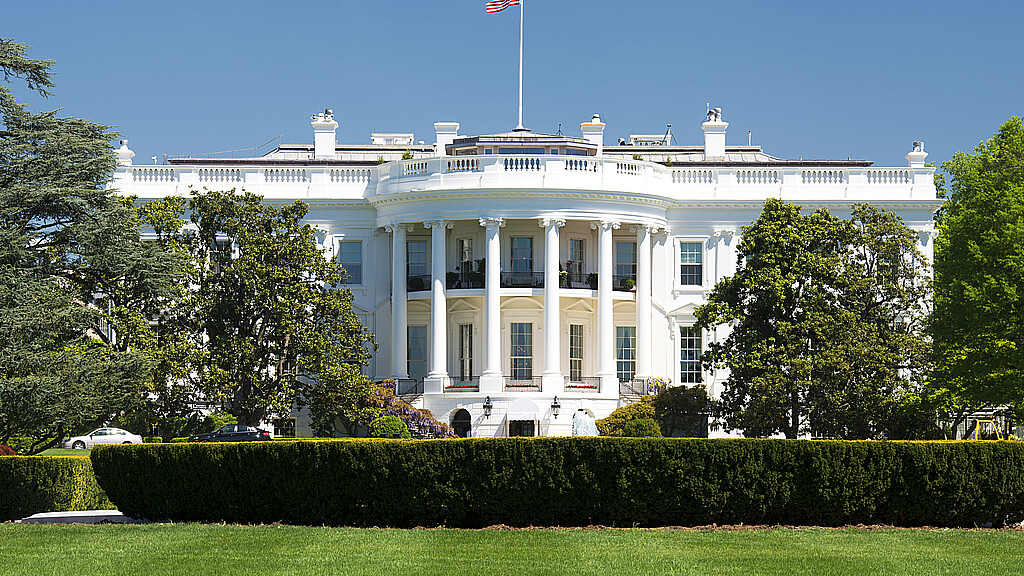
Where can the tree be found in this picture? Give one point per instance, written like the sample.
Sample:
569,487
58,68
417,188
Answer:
75,279
614,424
824,316
267,323
978,318
683,410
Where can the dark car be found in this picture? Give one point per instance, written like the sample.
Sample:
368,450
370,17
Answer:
232,433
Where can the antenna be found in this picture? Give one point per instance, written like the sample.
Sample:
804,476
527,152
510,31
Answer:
559,128
748,137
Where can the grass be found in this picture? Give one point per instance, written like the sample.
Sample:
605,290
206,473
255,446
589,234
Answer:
65,452
165,549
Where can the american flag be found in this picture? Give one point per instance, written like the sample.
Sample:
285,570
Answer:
499,5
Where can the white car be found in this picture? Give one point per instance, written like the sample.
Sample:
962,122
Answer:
102,436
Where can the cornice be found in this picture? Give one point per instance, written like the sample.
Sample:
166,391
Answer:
481,194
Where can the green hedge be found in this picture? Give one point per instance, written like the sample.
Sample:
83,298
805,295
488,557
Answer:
569,482
31,484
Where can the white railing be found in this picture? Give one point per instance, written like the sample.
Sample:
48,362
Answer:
530,172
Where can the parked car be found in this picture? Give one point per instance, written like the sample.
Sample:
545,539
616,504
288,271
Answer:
232,433
102,436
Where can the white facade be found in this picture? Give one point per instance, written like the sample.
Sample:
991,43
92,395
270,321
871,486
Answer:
474,263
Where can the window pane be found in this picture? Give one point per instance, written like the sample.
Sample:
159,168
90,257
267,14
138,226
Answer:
625,352
522,254
417,358
625,260
691,259
689,355
522,350
465,351
350,256
416,255
575,352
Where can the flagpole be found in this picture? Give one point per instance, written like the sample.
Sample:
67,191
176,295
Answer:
520,126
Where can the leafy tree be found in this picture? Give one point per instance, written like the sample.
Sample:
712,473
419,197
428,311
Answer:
267,323
978,320
75,280
682,410
641,428
389,427
825,323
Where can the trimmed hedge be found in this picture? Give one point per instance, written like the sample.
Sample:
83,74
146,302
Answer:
32,484
569,482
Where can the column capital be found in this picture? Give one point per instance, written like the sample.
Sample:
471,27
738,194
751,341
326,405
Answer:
488,222
605,225
724,233
391,228
545,222
650,228
438,223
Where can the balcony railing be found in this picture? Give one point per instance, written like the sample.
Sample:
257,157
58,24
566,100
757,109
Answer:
418,283
583,384
457,384
522,279
464,280
622,283
638,387
523,384
408,386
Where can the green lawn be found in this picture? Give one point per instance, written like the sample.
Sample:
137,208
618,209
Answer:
160,549
65,452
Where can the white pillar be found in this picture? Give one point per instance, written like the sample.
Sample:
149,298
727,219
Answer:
438,308
552,381
399,322
643,298
491,381
605,322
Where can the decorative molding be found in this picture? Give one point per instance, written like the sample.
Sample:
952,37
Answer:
490,221
723,233
439,224
605,224
545,222
390,228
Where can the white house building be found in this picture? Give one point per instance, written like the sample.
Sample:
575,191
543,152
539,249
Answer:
514,279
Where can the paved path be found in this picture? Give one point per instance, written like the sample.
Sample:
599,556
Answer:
80,517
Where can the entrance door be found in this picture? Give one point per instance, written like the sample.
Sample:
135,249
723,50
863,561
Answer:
520,428
462,423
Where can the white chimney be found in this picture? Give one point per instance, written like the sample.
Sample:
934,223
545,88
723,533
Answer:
324,140
916,156
714,135
593,132
446,134
124,155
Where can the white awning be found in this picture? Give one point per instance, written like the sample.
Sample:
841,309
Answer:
522,409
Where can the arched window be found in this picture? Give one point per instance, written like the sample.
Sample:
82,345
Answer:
461,423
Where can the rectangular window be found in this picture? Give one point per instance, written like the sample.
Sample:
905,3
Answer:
220,255
522,254
625,352
522,350
417,358
284,427
625,261
575,263
465,351
465,257
689,355
575,352
416,258
350,256
691,264
520,150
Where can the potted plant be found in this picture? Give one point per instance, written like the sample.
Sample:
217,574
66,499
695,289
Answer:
592,280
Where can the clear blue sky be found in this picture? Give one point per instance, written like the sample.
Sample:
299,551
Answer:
816,79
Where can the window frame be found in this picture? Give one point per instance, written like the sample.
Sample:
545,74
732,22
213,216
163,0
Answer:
350,279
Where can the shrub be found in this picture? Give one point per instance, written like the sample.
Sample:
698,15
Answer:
33,484
569,482
389,427
420,423
179,440
613,424
153,440
6,450
641,428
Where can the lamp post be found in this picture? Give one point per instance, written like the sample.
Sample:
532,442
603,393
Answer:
487,407
555,407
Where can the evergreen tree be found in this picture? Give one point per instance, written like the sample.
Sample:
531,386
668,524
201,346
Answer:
75,279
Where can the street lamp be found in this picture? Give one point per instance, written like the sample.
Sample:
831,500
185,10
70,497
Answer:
555,407
487,407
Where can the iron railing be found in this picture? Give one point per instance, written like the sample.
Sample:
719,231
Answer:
522,279
583,384
418,282
457,384
525,383
408,386
638,387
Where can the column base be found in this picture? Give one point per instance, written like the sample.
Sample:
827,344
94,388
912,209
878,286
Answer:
553,383
434,383
493,383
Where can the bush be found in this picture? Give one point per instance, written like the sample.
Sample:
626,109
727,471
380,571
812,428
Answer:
569,482
6,450
179,440
33,484
389,427
641,428
614,423
153,440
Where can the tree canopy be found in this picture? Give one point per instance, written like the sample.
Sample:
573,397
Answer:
267,323
978,319
75,279
823,321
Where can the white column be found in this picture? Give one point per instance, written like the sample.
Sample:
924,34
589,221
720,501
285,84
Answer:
438,308
605,322
491,381
643,298
399,322
552,380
